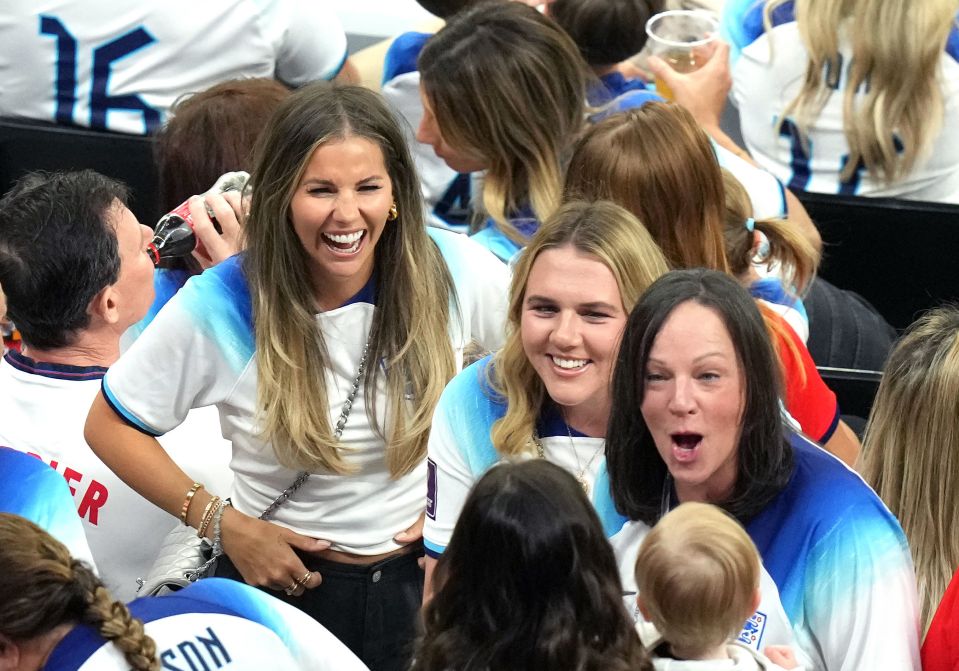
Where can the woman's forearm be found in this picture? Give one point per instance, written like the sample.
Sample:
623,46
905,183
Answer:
141,462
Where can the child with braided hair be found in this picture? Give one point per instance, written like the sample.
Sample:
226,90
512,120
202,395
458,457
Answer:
56,615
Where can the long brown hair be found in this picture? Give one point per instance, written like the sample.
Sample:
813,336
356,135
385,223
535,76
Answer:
415,296
42,587
508,85
660,147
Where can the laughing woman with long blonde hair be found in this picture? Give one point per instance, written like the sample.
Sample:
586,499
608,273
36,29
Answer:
852,97
325,346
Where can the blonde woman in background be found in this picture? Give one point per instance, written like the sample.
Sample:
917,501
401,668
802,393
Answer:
911,452
546,393
504,90
856,97
325,347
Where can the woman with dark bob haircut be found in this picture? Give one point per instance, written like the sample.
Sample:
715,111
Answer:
696,416
528,582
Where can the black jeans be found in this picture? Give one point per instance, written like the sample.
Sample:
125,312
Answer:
372,609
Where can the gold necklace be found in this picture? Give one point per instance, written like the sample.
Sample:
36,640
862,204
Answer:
581,477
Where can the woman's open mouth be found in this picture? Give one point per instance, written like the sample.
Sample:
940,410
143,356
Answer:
345,243
685,445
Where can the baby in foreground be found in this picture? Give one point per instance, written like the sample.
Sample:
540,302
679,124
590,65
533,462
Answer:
698,578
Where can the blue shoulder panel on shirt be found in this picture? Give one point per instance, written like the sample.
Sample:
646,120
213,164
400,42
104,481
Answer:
822,496
219,303
31,488
471,407
952,44
503,247
166,282
626,101
402,55
611,518
771,289
742,21
612,86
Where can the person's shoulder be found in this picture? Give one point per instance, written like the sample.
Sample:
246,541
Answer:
467,256
744,20
222,289
471,387
403,53
824,493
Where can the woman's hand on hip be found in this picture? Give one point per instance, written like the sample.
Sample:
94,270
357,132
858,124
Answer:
264,555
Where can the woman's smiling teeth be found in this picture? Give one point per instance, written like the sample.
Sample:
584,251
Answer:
569,363
347,243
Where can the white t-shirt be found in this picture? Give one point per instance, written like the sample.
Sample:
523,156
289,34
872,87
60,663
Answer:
45,408
461,451
765,83
120,65
204,337
214,624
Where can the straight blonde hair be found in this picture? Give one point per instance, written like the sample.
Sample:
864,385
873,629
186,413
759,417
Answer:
415,295
508,86
614,237
892,97
697,573
910,452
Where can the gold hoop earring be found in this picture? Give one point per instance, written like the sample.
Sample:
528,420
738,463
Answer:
393,213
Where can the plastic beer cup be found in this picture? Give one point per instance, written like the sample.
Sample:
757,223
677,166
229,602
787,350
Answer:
683,38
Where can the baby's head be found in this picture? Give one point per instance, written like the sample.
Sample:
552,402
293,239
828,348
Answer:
698,577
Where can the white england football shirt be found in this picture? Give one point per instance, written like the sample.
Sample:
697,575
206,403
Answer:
119,65
204,337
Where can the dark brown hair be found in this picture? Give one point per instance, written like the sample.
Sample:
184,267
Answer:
606,31
212,132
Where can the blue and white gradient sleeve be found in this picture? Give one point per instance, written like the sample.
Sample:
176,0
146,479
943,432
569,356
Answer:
459,451
861,597
191,355
31,489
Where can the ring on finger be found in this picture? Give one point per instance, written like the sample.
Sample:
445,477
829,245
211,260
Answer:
305,579
293,586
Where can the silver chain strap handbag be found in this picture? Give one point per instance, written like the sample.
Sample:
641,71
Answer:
184,557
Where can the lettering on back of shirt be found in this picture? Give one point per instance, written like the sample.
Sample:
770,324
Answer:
94,495
200,653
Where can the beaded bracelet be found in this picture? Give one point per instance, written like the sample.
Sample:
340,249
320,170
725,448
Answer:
217,537
208,514
188,500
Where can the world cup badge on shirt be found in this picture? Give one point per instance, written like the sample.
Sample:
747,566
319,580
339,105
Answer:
752,633
431,489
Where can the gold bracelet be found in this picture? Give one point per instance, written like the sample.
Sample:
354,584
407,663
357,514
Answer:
188,500
208,514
